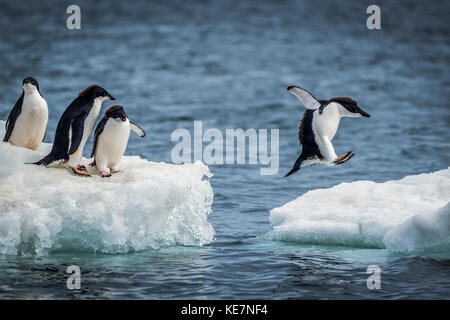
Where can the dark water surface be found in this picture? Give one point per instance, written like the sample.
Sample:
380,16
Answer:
228,63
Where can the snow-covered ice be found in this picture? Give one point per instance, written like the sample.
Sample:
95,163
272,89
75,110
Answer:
404,216
147,205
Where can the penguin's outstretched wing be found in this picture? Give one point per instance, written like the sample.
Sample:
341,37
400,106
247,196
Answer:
76,130
98,131
137,129
13,115
305,97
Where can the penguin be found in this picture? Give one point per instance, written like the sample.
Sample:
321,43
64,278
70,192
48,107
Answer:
111,139
318,127
27,122
75,127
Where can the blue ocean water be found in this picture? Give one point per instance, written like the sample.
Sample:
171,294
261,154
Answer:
228,63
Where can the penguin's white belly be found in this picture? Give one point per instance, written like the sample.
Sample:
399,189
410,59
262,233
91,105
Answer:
324,127
327,123
112,143
29,129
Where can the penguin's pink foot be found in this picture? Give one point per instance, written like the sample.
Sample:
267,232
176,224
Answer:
344,158
339,159
105,174
114,170
81,171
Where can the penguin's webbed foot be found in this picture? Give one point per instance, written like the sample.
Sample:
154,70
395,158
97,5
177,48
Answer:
81,171
105,174
344,158
114,170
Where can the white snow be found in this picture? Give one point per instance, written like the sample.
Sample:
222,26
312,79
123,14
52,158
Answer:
147,205
404,216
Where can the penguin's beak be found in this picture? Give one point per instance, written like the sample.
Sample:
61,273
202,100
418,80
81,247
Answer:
363,113
111,97
123,119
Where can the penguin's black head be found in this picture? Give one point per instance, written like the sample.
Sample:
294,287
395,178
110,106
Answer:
30,81
95,91
117,113
353,110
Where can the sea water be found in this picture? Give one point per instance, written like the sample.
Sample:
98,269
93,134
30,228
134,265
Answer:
162,231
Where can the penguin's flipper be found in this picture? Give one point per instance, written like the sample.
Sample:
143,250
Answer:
13,115
137,129
308,100
77,129
98,131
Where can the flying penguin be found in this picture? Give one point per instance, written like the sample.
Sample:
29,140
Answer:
27,121
111,139
75,127
318,127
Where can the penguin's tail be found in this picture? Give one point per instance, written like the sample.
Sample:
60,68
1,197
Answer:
293,170
47,160
297,165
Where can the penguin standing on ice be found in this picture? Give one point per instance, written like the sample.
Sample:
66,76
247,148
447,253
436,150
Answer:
318,127
28,118
111,139
75,127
